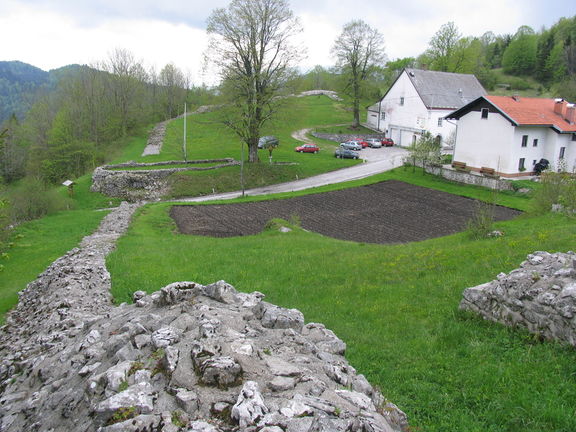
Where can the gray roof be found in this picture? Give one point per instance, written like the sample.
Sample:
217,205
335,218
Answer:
444,90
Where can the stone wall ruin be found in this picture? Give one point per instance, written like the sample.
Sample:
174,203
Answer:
539,296
186,358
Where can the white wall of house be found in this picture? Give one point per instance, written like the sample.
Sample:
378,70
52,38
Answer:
495,143
484,142
403,115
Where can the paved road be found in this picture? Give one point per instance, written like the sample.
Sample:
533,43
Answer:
376,161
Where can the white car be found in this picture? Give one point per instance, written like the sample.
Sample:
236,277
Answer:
374,143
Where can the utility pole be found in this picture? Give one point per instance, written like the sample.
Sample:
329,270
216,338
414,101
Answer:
184,145
242,169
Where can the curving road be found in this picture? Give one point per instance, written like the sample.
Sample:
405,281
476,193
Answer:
375,162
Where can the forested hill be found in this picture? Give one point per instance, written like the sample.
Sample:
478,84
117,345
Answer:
20,83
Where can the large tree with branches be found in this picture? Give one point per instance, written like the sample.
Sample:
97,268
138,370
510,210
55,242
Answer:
251,46
359,51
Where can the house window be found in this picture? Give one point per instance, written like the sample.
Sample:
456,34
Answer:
535,142
402,100
524,140
521,163
574,137
382,116
484,113
562,151
533,162
440,122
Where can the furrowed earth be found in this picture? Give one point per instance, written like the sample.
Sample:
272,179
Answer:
386,212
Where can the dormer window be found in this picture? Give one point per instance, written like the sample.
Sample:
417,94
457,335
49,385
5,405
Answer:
484,113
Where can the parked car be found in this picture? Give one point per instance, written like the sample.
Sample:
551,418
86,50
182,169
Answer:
374,142
307,148
362,142
351,145
265,141
387,142
343,153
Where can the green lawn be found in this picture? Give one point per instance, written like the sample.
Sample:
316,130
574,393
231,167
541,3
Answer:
37,244
395,306
209,139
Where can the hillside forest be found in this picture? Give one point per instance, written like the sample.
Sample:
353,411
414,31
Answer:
61,124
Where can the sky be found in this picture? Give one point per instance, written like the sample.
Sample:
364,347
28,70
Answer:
54,33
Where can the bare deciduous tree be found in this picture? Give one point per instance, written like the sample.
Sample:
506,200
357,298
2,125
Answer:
174,85
358,50
251,46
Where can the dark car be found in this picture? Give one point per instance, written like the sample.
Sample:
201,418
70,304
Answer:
541,166
307,148
387,142
351,145
265,141
343,153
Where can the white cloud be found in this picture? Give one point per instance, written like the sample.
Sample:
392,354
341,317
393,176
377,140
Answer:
53,33
49,40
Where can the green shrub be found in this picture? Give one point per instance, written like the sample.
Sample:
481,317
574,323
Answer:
557,188
481,223
33,199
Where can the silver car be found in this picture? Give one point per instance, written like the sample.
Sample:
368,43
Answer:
374,143
351,145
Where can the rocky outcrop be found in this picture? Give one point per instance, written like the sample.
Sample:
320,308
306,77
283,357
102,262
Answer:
120,181
186,358
191,358
540,296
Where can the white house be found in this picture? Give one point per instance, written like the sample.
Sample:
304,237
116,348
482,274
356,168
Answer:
419,100
512,134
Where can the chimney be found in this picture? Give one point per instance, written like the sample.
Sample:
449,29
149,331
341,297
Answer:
571,113
558,105
516,97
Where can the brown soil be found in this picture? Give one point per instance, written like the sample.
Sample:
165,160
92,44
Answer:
386,212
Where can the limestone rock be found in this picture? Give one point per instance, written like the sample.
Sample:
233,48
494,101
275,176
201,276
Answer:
249,407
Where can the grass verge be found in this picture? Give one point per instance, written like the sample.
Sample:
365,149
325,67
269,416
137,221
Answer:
36,244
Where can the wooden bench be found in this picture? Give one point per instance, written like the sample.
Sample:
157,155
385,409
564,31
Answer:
488,172
460,166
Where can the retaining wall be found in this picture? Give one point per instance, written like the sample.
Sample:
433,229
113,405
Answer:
145,184
470,178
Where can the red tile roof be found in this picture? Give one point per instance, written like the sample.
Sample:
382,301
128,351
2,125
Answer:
533,111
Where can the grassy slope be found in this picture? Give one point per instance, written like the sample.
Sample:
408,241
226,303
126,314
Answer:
208,139
395,306
37,244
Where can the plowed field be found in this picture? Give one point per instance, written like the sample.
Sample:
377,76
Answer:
386,212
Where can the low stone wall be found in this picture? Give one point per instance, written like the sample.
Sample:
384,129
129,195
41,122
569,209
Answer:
136,185
470,178
540,296
340,138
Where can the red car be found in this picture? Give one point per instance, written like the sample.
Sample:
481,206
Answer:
307,148
362,142
387,142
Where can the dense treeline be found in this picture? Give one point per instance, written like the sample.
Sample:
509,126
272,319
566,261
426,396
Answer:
70,130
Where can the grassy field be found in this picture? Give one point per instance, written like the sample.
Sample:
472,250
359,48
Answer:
209,139
395,306
37,244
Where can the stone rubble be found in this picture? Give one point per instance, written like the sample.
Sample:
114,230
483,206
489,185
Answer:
185,358
539,296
